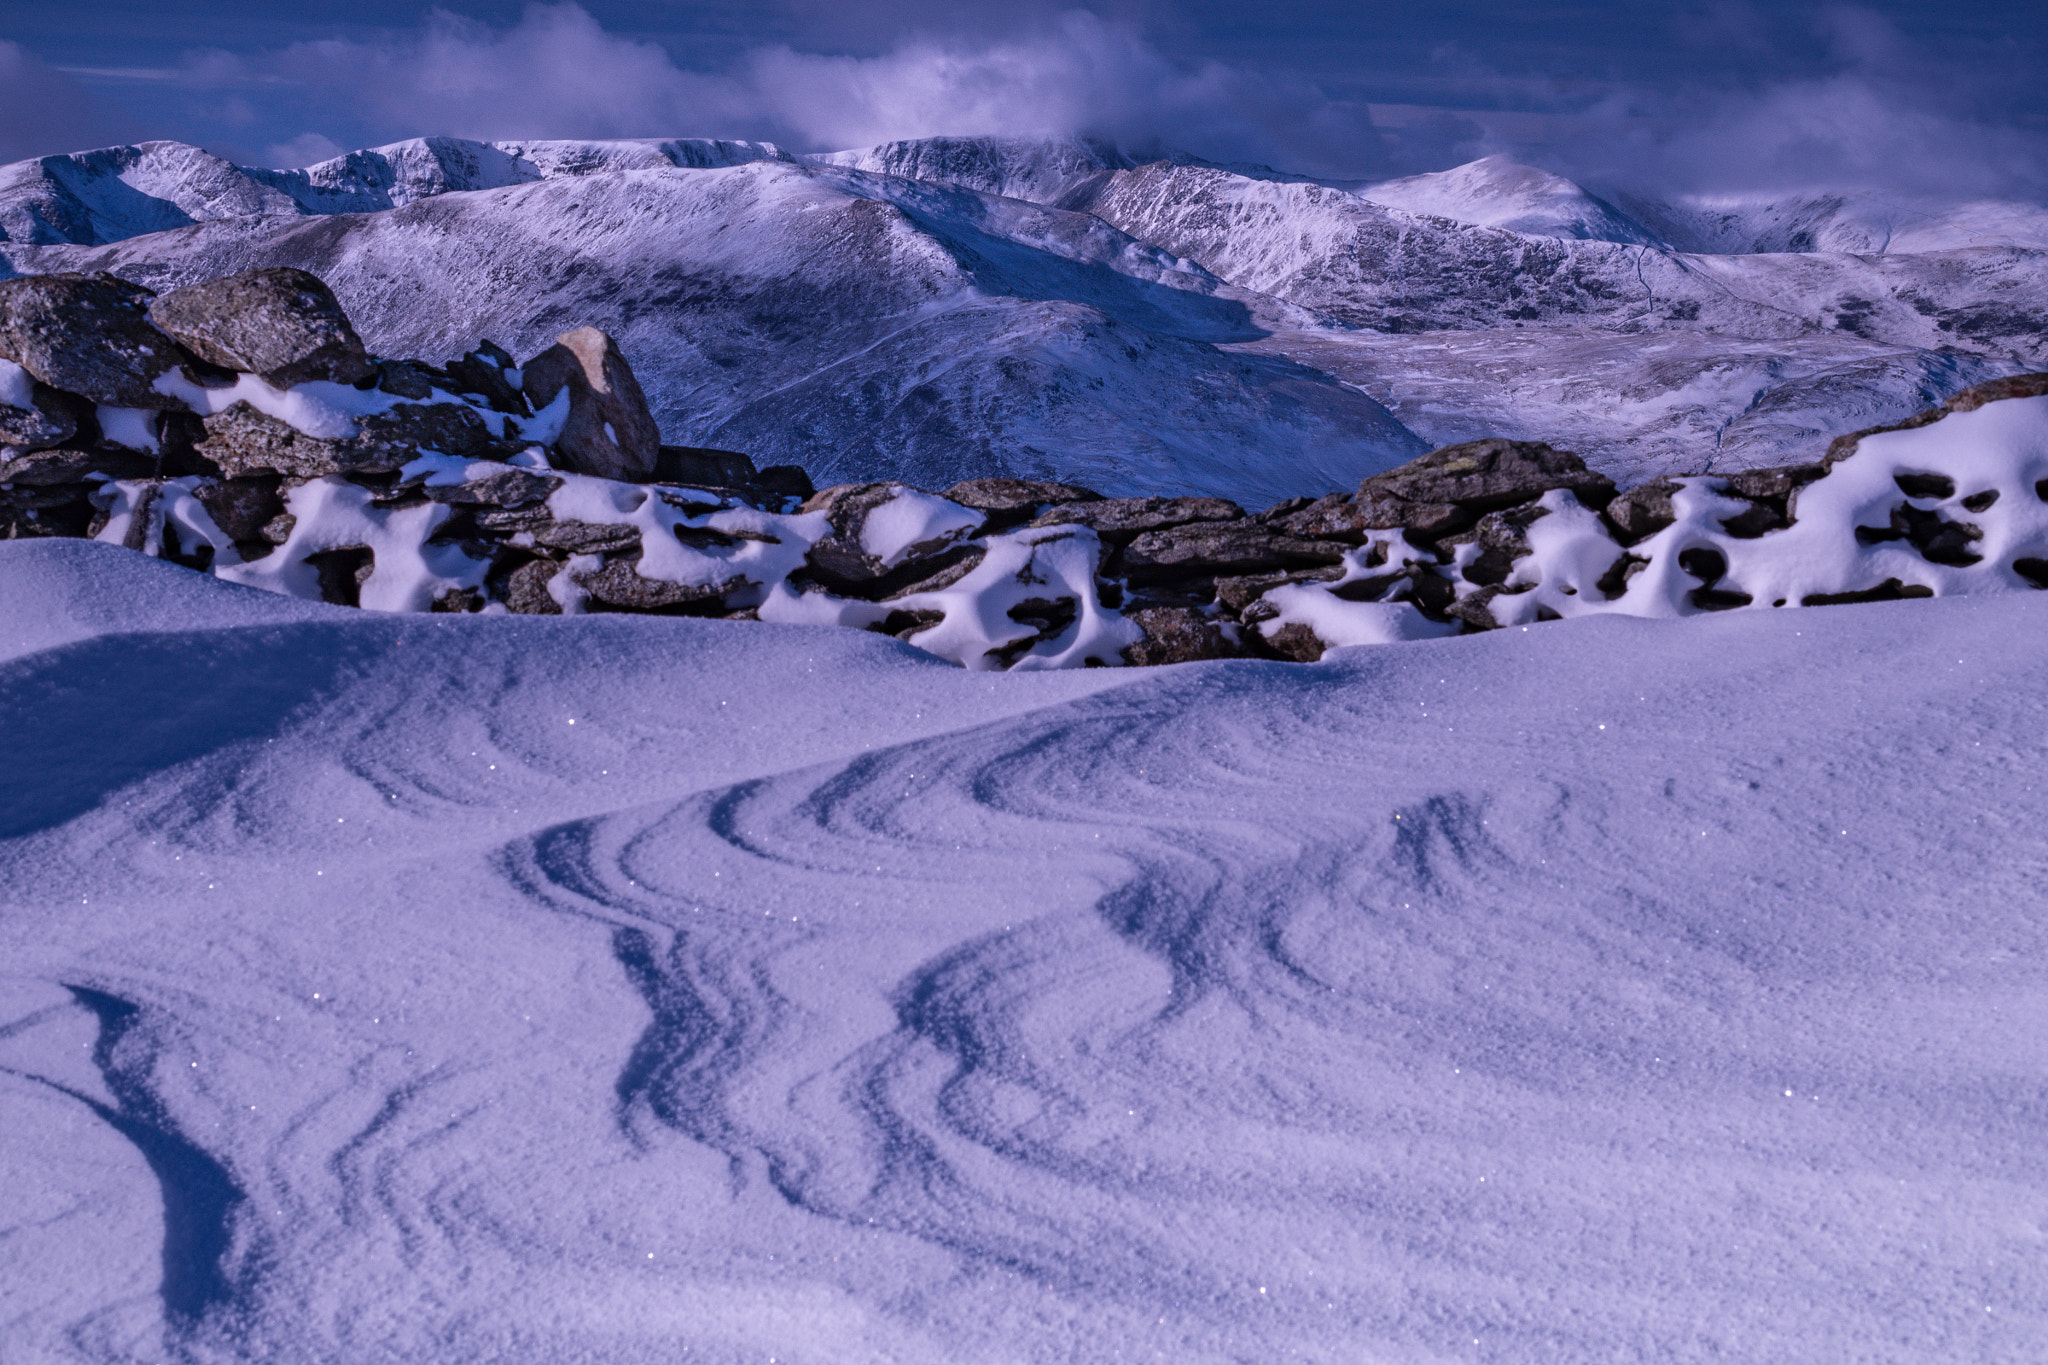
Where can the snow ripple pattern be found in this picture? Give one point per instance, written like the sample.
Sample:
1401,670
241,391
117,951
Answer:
635,990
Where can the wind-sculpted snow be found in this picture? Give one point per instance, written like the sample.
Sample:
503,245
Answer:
1641,991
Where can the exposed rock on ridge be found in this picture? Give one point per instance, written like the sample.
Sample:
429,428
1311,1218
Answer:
486,486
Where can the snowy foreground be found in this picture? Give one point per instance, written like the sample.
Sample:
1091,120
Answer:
447,988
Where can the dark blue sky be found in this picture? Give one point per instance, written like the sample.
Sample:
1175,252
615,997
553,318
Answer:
1731,95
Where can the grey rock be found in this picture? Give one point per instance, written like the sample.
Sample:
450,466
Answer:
1969,400
1179,635
1501,538
840,563
1776,483
277,322
1120,520
1237,594
88,335
1212,548
1344,519
1642,511
503,486
242,441
953,566
50,468
244,509
1011,502
1476,610
610,432
1297,642
618,584
53,419
511,521
526,588
1481,476
482,373
34,513
587,538
406,379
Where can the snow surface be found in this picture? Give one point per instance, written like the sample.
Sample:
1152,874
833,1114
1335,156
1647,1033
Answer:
514,990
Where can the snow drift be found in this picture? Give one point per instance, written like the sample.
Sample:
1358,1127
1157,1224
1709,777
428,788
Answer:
384,988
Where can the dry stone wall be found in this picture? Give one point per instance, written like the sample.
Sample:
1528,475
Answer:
240,427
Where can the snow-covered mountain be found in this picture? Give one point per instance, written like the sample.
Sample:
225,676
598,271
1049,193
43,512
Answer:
1047,308
1498,192
92,198
842,321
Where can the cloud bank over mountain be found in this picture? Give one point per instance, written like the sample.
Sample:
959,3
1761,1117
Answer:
1725,100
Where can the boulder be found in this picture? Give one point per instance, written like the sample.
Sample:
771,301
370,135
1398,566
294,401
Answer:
60,510
1121,520
1237,594
48,468
1476,610
618,585
1205,549
500,486
408,379
1481,476
482,374
527,588
1344,519
1969,400
88,335
1179,635
245,510
609,431
1012,502
1642,511
588,537
1500,538
34,416
243,441
841,561
278,322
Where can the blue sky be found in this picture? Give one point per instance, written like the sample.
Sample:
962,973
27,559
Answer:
1716,96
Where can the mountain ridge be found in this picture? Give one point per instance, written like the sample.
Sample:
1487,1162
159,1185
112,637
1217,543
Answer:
1055,308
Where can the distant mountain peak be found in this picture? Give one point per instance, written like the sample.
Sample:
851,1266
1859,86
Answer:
1500,192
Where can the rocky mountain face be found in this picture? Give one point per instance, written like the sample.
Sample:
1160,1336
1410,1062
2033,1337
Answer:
1048,310
240,426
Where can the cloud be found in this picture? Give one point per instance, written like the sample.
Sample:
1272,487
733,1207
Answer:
1859,108
557,73
306,149
43,110
1887,116
554,74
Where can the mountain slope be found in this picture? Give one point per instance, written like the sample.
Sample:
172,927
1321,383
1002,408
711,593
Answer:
938,317
93,198
1497,192
777,307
